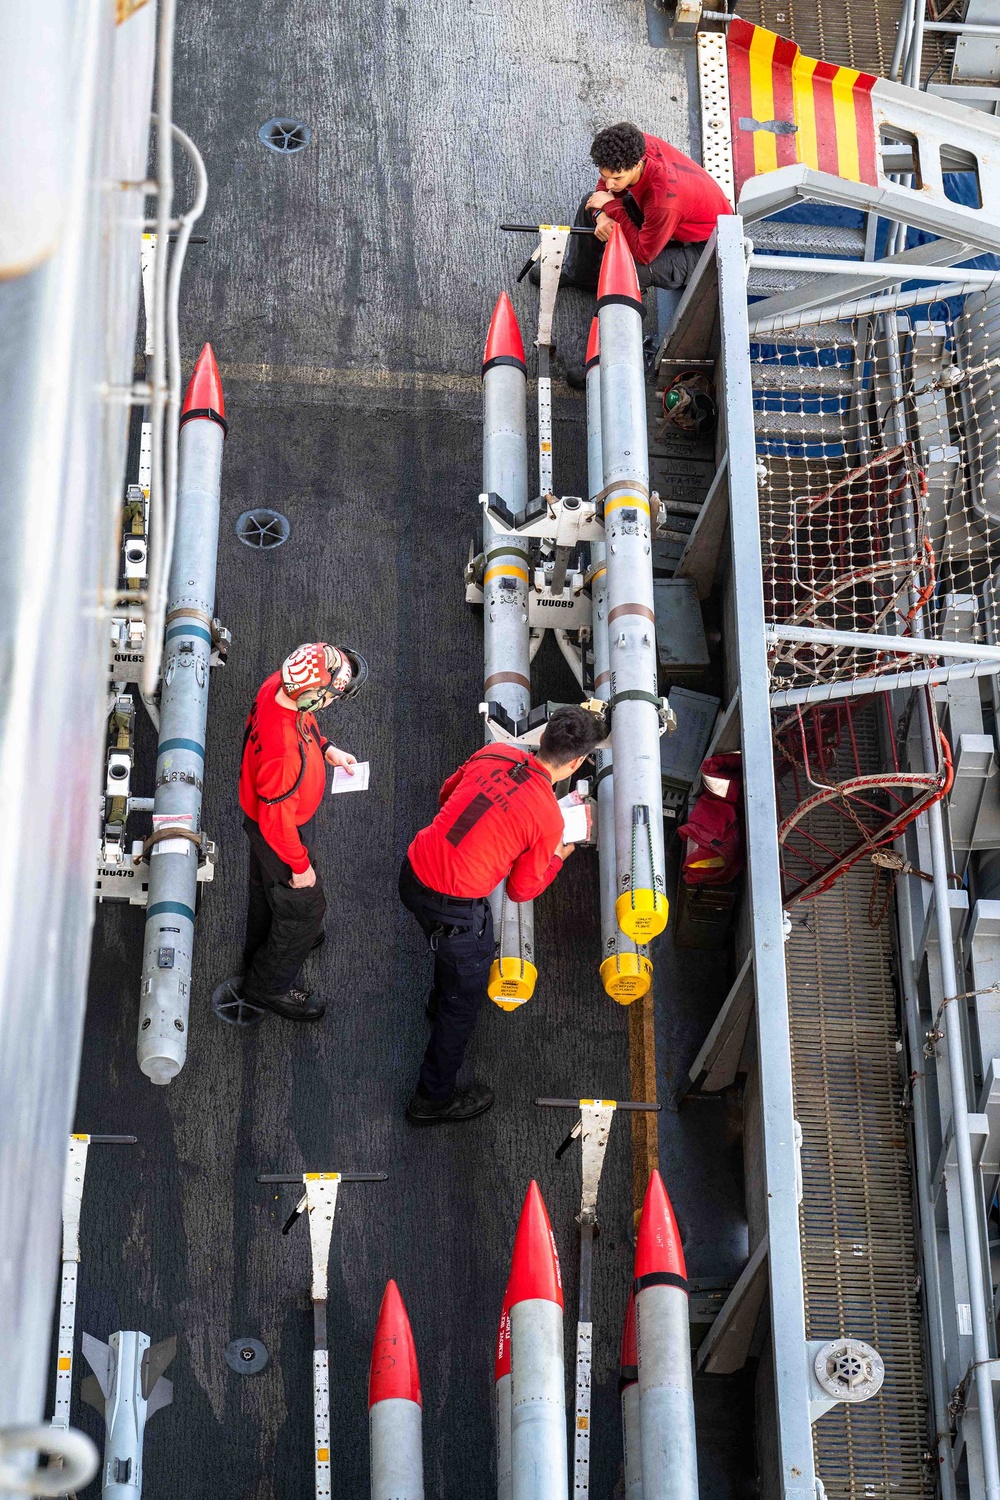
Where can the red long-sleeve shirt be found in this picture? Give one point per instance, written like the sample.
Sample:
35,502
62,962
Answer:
277,754
499,817
678,200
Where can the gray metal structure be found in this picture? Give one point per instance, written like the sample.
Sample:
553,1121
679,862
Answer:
626,969
71,211
128,1386
640,906
539,1466
506,632
177,845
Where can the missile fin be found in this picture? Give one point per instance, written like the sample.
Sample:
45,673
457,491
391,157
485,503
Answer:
98,1357
160,1396
155,1360
91,1393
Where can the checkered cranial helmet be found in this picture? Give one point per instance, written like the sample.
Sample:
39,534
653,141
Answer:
315,675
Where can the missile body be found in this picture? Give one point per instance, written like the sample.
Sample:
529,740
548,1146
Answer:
501,1386
395,1408
506,634
539,1463
628,1388
666,1400
641,906
180,761
127,1387
626,971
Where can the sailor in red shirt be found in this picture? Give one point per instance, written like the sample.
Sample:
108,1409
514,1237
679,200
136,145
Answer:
498,820
282,781
664,203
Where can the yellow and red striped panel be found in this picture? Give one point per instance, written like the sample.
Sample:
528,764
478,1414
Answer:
787,108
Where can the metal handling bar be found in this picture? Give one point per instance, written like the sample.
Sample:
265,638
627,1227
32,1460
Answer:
903,645
320,1201
536,228
593,1128
578,1103
72,1203
344,1176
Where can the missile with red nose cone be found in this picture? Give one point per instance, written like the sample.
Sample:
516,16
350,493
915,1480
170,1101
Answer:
626,971
641,906
539,1463
501,1386
506,634
176,848
628,1389
395,1408
666,1400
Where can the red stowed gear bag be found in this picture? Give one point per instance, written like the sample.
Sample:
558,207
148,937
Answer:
714,832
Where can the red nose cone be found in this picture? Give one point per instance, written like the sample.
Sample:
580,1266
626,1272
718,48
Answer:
658,1247
393,1370
503,342
618,278
204,392
593,345
629,1371
501,1358
534,1269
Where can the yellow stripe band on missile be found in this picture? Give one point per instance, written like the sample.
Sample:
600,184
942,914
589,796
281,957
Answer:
504,570
626,977
321,1177
595,576
620,500
642,915
511,982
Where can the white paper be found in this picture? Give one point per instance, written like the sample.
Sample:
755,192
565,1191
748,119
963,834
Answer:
344,782
171,846
576,820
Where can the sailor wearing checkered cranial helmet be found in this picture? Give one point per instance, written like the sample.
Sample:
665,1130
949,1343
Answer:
282,781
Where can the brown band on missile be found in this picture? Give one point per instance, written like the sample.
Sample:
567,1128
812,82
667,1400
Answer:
498,677
600,681
631,609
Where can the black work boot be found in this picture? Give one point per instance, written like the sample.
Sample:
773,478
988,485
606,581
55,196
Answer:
464,1104
296,1005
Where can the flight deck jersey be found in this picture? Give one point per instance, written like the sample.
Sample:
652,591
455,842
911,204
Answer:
283,773
499,817
676,198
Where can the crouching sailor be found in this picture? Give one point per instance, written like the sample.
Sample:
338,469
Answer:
282,781
498,819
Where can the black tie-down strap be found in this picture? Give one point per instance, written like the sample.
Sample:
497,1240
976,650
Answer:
634,695
660,1278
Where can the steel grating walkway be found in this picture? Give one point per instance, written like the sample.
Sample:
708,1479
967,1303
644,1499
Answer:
858,1233
846,32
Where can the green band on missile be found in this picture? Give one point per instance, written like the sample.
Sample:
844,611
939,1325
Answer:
198,630
191,745
169,908
507,552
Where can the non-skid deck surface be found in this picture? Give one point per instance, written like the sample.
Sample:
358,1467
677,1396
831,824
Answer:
346,292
